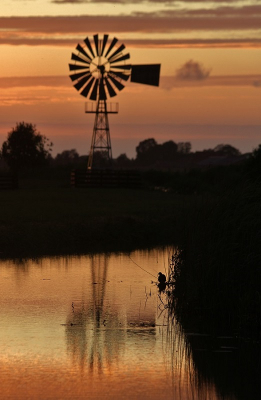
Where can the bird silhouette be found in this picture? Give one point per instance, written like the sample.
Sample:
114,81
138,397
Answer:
162,281
161,278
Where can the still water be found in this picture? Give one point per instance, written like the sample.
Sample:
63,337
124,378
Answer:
93,327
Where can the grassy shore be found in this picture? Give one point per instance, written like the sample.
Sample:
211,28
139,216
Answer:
45,217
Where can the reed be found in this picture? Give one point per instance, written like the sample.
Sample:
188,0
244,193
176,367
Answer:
220,274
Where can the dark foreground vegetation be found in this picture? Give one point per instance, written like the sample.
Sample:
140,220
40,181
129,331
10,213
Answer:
219,278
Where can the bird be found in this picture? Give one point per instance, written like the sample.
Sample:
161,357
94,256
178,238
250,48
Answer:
161,278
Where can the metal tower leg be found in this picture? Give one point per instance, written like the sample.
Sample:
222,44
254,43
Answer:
101,139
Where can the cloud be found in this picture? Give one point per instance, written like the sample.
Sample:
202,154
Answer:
32,81
168,2
216,19
192,71
101,1
166,82
58,40
230,26
257,83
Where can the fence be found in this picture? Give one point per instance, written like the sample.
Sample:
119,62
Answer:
106,178
8,182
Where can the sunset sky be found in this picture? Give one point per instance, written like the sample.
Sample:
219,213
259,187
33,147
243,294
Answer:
217,100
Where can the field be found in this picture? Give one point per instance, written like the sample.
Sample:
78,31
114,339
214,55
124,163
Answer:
49,217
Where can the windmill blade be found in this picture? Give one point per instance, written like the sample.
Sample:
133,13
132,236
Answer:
121,48
125,57
87,88
94,92
96,42
102,94
81,50
82,82
77,76
120,75
88,44
111,91
124,66
147,74
113,42
74,67
118,85
77,58
105,38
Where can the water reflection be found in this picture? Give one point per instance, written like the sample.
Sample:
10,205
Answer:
94,327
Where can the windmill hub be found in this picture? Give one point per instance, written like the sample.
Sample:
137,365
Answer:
99,66
99,72
102,69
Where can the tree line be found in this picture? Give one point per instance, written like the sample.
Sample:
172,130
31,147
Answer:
25,148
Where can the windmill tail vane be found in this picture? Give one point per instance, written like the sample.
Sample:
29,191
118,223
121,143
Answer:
99,70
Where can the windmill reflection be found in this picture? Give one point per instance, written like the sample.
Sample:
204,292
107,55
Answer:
94,329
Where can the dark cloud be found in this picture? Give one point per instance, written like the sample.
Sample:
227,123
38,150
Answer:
168,2
59,30
19,40
166,82
70,1
99,1
192,71
32,81
165,21
257,84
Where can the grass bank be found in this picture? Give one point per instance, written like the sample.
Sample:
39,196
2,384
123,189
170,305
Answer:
46,216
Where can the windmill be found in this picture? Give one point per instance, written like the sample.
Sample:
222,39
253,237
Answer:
99,72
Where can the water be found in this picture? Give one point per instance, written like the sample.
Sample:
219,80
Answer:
94,328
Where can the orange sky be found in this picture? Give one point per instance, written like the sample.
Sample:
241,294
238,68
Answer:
37,38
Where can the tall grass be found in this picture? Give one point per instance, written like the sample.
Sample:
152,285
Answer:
220,275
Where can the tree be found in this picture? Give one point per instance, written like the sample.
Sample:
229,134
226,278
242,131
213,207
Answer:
145,151
184,147
168,150
25,147
226,150
123,161
66,157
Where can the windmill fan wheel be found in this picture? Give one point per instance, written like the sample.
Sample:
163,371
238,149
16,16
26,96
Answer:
99,67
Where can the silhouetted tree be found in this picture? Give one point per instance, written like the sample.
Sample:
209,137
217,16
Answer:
123,161
145,146
184,147
226,149
146,152
254,162
25,147
66,157
257,154
169,150
149,152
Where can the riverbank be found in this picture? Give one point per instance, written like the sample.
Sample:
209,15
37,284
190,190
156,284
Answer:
49,217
